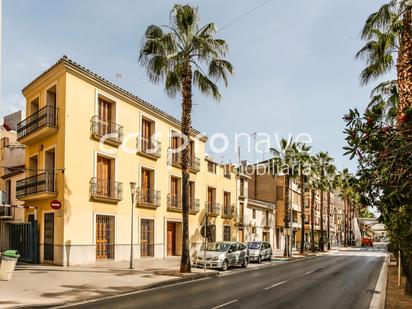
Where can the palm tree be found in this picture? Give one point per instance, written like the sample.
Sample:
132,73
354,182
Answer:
388,33
323,163
312,185
344,184
184,54
303,161
284,164
330,186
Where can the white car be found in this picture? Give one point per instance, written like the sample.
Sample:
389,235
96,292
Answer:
259,251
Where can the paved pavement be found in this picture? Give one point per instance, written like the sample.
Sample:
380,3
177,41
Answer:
344,279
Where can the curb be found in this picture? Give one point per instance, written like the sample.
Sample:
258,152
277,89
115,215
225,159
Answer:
379,296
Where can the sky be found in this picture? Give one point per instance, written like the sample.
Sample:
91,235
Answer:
295,71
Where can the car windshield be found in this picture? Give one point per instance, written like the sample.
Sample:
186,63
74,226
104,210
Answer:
253,245
219,247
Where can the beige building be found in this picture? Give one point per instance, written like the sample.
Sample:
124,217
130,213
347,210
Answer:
86,139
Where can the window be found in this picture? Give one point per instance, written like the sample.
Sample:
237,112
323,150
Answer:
105,117
254,213
147,185
175,192
147,237
211,167
279,193
253,230
226,233
105,231
51,96
211,195
147,132
175,144
212,236
34,106
226,201
8,192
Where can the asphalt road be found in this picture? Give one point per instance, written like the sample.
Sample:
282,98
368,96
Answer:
344,280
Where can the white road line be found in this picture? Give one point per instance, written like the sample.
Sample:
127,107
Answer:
276,284
309,272
225,304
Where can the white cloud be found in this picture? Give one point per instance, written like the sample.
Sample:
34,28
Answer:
11,103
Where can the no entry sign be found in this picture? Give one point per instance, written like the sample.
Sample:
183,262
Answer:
55,204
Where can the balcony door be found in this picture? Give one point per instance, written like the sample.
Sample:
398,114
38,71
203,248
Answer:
174,191
147,132
226,202
147,184
105,117
104,175
50,165
175,145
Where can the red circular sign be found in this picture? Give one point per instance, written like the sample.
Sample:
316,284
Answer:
55,204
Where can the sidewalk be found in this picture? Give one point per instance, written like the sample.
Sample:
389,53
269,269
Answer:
42,285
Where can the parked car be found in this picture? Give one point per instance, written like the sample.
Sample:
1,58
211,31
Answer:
222,255
367,242
259,251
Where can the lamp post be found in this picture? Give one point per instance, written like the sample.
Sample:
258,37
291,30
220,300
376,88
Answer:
133,192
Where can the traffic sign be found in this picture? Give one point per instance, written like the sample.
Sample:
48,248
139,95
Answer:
55,204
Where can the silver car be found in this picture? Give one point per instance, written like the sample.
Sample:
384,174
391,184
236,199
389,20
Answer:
222,255
259,251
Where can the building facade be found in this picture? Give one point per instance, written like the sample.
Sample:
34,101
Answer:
86,140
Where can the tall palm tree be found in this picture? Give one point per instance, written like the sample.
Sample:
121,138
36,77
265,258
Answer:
312,185
344,184
388,33
323,163
284,163
330,186
184,54
303,161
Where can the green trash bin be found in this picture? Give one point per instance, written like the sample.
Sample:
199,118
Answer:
8,261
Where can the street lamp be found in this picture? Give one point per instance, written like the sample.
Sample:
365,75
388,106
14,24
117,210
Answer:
133,192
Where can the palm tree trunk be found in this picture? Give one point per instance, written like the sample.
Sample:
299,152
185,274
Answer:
328,222
302,213
350,223
321,244
404,67
345,236
286,216
312,221
186,128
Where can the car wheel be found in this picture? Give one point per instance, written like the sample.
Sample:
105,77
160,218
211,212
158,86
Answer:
260,259
245,262
225,265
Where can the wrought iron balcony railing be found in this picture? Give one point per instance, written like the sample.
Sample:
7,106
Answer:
105,189
147,198
40,183
5,211
109,131
228,211
212,209
174,202
194,162
149,147
194,205
46,116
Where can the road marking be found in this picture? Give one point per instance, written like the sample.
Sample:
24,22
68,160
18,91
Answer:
276,284
309,272
225,304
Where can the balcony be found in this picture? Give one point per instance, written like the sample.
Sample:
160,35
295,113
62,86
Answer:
149,148
39,186
194,162
106,131
228,211
5,212
147,198
212,209
38,125
105,190
174,202
194,205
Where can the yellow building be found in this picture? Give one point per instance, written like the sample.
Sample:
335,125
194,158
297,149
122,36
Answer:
86,139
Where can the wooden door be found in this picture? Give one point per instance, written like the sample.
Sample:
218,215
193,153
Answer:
174,191
146,135
171,238
104,237
175,145
105,117
104,170
146,184
48,252
147,238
